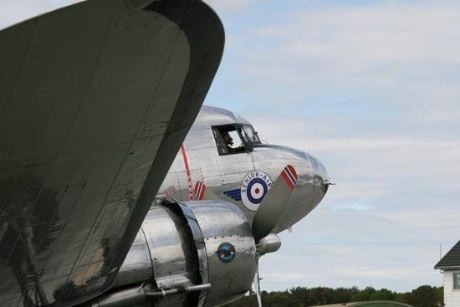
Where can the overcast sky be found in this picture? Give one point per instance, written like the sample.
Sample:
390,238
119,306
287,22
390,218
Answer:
371,88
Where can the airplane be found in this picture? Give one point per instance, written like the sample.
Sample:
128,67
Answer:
117,188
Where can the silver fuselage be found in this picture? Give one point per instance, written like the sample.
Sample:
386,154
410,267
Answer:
164,248
199,161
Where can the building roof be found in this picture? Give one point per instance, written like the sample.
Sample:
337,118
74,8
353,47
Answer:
451,260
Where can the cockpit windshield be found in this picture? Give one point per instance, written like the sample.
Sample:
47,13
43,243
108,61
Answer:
317,166
235,138
251,134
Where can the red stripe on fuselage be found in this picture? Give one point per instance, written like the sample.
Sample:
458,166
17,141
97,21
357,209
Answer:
288,180
187,171
198,187
203,191
200,190
292,171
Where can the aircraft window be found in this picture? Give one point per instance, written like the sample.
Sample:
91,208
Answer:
228,140
252,136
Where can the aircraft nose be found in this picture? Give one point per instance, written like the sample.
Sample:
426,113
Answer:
311,187
320,175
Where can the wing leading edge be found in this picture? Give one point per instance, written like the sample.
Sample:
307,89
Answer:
95,100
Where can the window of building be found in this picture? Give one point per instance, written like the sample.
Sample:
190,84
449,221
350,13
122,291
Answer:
457,280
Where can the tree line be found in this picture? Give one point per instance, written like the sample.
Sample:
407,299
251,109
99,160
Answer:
423,296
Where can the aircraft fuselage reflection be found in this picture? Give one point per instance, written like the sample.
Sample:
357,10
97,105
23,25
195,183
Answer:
242,172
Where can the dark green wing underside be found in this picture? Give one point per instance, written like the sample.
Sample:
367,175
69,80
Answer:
95,100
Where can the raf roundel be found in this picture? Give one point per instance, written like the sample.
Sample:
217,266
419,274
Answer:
254,188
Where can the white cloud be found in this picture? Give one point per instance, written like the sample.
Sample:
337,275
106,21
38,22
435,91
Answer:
348,249
15,11
387,55
224,6
372,34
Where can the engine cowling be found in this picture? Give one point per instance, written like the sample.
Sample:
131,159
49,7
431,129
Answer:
187,254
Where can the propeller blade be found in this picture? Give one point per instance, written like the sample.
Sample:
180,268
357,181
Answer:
274,203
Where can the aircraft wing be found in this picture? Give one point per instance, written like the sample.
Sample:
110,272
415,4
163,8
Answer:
95,100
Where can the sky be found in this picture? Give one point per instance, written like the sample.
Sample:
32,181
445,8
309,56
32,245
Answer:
371,89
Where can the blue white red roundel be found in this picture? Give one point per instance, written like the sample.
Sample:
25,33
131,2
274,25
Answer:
254,188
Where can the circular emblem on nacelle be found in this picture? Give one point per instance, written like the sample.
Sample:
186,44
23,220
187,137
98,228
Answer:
226,252
254,188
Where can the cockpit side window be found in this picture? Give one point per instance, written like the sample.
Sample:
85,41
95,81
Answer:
251,134
229,139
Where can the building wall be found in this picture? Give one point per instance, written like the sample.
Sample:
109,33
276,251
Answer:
451,296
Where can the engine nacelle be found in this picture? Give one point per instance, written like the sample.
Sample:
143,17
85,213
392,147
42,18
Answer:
188,254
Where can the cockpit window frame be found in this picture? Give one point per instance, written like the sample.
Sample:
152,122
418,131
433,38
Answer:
217,131
255,141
